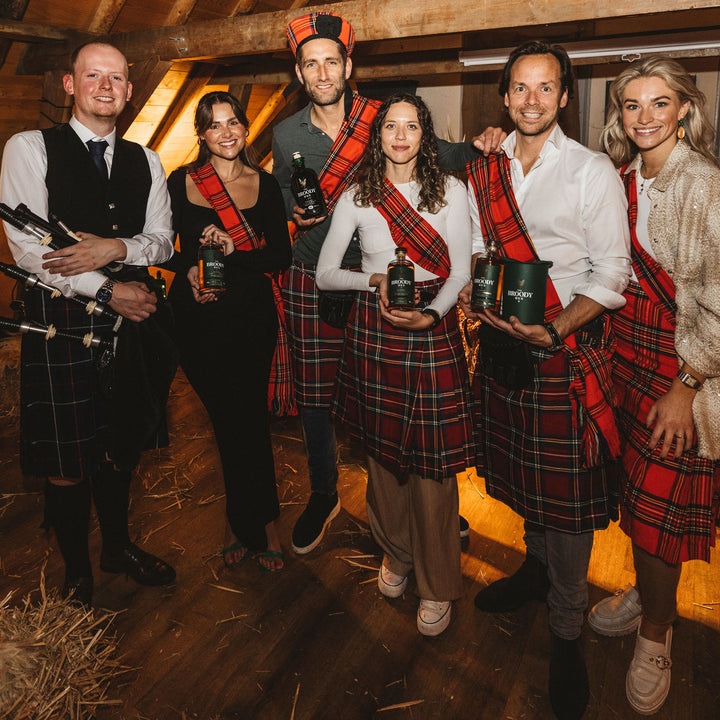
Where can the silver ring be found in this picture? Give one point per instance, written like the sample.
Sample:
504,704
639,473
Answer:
679,436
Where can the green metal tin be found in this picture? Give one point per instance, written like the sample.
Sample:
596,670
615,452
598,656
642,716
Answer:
524,289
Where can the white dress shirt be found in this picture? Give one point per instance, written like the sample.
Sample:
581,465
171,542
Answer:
574,207
22,180
452,223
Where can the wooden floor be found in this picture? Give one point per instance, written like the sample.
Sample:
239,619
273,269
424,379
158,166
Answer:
318,641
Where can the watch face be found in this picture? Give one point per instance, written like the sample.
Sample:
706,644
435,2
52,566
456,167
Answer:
104,294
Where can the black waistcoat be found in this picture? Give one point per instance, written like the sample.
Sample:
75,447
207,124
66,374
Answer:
82,199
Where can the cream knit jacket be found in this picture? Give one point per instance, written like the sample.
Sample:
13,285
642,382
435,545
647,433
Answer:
684,229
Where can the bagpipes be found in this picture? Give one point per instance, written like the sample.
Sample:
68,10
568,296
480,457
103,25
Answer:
50,331
52,233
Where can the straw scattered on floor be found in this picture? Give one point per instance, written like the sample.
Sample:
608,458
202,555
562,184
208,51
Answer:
56,659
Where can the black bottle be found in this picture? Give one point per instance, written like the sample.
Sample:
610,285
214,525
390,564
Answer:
401,282
306,188
487,281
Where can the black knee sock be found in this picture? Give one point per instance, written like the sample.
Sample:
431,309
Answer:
67,511
111,493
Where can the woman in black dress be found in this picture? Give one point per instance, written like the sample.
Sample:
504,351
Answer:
227,342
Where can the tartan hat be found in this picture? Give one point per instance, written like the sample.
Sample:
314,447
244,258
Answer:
320,25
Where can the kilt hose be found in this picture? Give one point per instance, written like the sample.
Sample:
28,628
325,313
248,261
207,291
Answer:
406,395
64,416
315,346
533,450
669,506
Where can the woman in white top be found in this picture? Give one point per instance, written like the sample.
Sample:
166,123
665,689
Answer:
403,387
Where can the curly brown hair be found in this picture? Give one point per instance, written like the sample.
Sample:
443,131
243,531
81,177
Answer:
427,172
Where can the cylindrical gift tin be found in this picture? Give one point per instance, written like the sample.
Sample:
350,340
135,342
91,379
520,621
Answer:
524,288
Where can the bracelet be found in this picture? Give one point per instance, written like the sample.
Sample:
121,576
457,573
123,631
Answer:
434,315
688,380
557,342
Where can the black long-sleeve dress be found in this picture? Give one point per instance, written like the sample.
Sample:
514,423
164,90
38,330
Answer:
226,349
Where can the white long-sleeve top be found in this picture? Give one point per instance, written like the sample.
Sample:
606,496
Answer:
24,167
574,207
452,223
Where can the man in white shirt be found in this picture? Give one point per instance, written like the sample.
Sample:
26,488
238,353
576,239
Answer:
75,428
549,440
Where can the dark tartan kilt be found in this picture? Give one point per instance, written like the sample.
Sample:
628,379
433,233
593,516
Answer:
534,459
406,395
315,346
669,507
64,416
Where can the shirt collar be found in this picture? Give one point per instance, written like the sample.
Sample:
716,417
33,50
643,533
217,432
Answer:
85,134
555,141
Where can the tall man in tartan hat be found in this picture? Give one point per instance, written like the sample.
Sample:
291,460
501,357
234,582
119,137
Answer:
74,432
550,442
331,133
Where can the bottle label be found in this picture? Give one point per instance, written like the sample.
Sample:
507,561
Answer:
486,286
401,287
211,270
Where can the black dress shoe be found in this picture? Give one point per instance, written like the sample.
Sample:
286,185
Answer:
569,686
142,567
530,582
78,591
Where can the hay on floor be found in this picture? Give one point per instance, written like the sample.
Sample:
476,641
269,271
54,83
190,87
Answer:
56,659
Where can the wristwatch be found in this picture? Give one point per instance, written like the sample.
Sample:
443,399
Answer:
689,380
104,294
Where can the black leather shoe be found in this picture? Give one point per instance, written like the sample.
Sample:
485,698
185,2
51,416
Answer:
78,591
569,686
142,567
530,582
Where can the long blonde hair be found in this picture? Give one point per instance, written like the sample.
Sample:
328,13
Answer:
699,133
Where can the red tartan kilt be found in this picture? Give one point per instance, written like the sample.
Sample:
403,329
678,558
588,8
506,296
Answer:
315,346
669,507
406,395
534,459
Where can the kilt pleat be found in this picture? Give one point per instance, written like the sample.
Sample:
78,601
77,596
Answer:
315,346
533,446
64,416
669,506
406,395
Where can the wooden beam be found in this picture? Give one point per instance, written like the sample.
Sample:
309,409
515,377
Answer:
145,77
36,33
10,10
106,13
194,86
180,12
265,32
271,108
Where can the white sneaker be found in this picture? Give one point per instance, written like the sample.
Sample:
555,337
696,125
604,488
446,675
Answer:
433,616
390,584
617,615
648,679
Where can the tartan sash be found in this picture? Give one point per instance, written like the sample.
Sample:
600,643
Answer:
656,283
409,229
501,221
280,385
346,153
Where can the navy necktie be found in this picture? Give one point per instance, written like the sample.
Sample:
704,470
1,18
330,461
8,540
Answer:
97,153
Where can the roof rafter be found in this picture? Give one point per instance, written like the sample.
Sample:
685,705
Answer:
265,32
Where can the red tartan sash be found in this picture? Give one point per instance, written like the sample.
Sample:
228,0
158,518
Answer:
280,386
346,153
656,283
409,229
501,221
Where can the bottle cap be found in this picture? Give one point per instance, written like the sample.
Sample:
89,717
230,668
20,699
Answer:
297,155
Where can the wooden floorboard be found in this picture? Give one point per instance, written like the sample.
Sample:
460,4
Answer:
317,641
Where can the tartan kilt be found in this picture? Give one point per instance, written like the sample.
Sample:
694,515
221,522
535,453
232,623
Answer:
315,346
64,417
669,506
406,395
533,446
